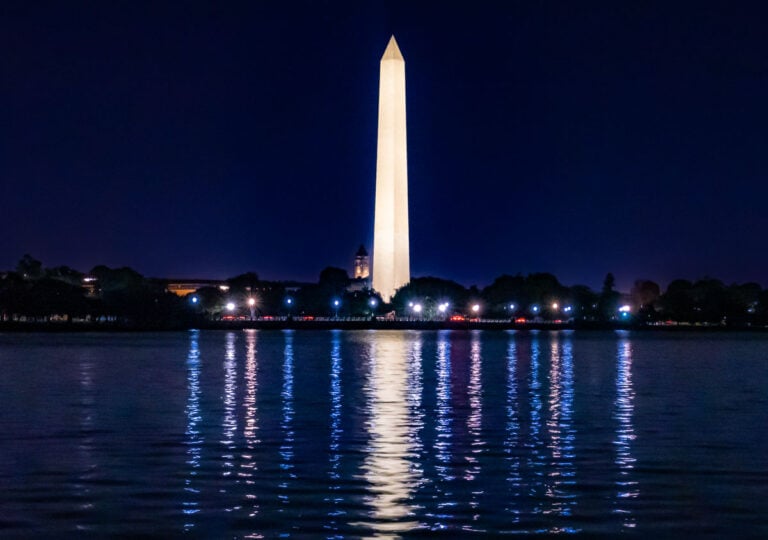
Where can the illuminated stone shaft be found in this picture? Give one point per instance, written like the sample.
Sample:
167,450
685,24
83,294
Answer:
391,254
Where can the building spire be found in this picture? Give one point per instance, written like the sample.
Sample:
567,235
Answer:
392,52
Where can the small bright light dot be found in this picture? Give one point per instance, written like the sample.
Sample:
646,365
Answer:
373,302
289,301
417,308
251,302
195,299
625,309
410,304
511,306
567,309
230,306
476,308
442,308
336,303
535,309
554,305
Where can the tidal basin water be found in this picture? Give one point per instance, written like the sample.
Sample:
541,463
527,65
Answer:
335,434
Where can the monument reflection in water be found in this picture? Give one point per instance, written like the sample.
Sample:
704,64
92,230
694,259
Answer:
393,393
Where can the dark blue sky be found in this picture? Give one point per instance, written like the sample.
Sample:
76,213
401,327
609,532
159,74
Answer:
212,139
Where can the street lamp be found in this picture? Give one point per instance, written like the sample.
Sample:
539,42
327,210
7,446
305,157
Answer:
289,303
336,304
373,303
252,306
417,309
476,309
230,306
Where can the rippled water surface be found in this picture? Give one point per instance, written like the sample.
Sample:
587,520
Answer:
383,433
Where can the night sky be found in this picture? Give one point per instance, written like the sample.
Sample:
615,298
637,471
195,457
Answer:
207,140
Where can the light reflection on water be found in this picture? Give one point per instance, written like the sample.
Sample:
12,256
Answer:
249,467
340,434
512,434
336,512
626,485
286,425
85,447
194,439
388,467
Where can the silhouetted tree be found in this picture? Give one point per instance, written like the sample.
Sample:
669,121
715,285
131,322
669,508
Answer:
645,294
29,267
677,302
609,298
430,292
585,303
244,283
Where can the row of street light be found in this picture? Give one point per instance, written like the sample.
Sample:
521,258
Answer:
417,308
231,306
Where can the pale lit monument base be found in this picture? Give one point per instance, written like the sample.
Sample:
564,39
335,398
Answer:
391,254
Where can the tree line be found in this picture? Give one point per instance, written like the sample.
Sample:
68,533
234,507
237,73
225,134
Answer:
34,292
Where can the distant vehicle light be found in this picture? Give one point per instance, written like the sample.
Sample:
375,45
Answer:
625,309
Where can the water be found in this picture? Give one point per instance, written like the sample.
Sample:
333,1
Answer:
388,434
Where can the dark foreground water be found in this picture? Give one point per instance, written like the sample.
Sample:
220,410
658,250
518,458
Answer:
363,433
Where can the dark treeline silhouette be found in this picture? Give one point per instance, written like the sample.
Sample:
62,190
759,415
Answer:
32,292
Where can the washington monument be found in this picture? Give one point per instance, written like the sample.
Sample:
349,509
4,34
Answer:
391,253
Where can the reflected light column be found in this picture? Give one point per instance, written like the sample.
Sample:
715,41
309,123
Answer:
286,448
86,442
387,466
230,404
475,419
626,485
535,460
512,432
249,467
559,427
194,439
334,453
443,443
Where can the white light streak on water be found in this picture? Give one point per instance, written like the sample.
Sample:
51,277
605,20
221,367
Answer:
194,439
626,485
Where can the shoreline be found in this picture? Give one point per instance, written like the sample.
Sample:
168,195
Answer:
340,324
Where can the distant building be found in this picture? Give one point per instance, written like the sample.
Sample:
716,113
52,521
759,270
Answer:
361,276
362,266
91,286
183,287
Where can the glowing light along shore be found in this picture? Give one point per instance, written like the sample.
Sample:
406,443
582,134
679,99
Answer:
391,253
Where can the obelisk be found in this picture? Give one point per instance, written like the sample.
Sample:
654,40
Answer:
391,252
